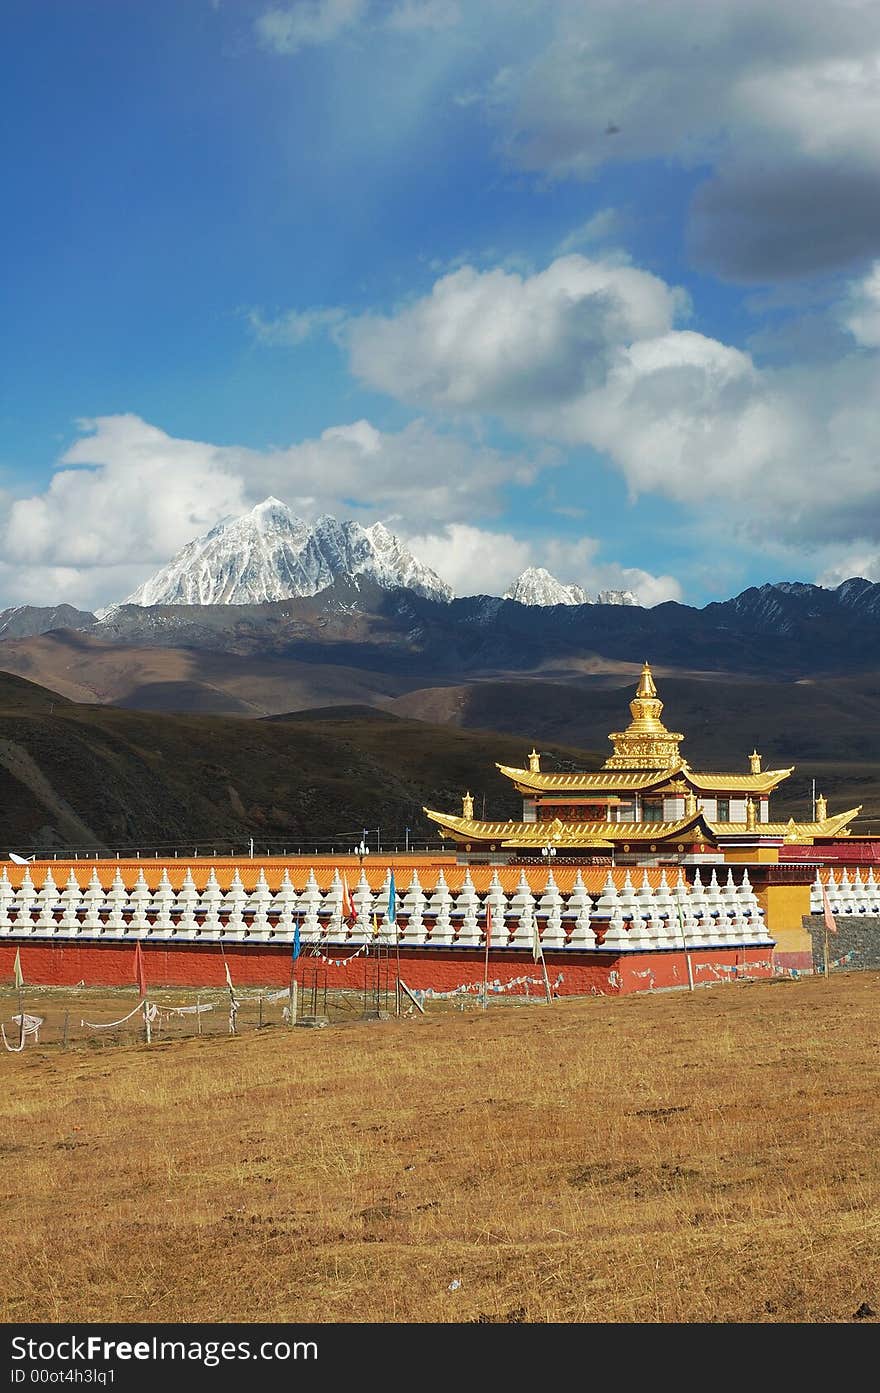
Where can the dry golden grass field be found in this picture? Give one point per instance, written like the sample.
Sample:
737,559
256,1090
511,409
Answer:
676,1158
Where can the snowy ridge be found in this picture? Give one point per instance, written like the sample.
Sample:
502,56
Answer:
271,554
536,586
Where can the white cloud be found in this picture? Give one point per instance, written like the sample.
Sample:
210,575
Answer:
852,560
601,227
126,496
293,327
478,561
587,353
308,22
472,560
782,102
133,491
860,312
497,341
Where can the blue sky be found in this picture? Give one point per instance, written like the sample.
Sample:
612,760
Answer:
582,285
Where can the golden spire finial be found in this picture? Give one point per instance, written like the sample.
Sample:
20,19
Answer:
535,761
646,686
690,804
790,831
467,805
755,762
646,743
821,808
751,815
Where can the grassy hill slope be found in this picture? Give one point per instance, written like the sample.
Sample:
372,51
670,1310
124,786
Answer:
95,776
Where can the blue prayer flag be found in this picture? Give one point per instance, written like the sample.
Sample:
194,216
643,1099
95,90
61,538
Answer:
296,941
392,901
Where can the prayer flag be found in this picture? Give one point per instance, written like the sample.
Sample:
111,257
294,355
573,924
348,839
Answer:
296,941
392,901
19,979
830,925
488,926
140,975
228,978
375,924
536,941
347,903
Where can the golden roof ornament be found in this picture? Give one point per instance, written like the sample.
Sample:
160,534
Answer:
821,808
535,762
791,832
646,743
467,806
751,815
690,804
754,762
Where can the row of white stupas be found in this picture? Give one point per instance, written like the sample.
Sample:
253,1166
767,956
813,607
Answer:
629,918
847,896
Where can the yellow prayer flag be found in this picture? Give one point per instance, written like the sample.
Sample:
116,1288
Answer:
19,979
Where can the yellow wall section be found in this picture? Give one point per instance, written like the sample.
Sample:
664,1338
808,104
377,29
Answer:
766,854
784,907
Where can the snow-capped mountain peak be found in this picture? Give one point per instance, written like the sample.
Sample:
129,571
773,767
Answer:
617,597
536,586
271,554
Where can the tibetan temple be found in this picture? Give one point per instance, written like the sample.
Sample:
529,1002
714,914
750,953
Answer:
644,806
722,891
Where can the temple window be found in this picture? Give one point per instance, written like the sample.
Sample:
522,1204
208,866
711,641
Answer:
723,813
652,810
626,812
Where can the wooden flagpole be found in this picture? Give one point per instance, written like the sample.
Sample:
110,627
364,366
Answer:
486,964
293,989
687,951
546,978
397,956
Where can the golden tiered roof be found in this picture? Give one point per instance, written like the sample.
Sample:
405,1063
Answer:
529,781
561,834
585,835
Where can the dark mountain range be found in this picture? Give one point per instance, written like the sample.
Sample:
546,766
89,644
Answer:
788,630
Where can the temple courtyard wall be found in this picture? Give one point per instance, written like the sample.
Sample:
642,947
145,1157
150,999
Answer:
601,931
570,972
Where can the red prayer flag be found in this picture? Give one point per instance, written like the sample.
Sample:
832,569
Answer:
829,917
347,902
140,975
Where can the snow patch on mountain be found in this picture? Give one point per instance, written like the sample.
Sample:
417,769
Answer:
536,586
271,554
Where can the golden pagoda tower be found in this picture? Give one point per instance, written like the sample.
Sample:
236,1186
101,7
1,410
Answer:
646,743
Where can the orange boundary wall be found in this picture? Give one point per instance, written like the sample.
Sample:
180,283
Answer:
571,972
